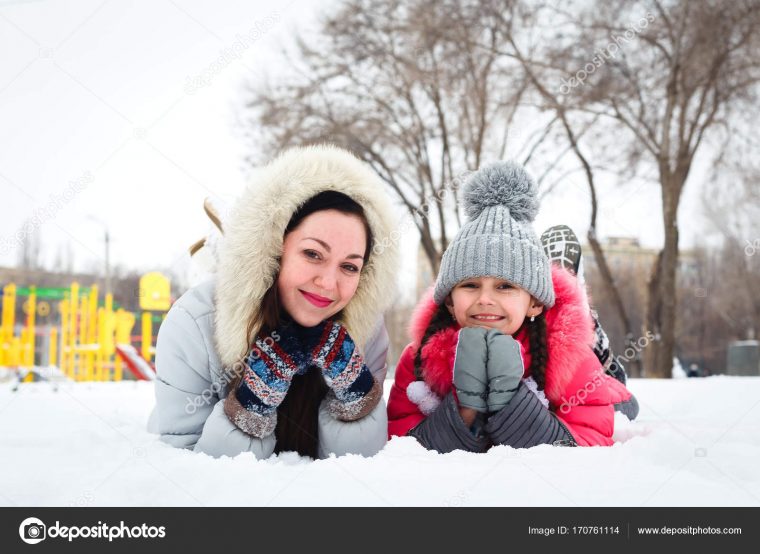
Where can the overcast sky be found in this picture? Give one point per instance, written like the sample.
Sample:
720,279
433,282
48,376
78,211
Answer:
100,122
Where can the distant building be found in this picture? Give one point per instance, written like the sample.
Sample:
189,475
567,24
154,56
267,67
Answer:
626,256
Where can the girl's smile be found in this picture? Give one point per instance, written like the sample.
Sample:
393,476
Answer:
493,303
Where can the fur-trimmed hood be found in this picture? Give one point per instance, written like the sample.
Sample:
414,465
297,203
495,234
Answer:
253,236
570,335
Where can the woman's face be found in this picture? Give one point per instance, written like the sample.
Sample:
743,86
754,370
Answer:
321,263
492,303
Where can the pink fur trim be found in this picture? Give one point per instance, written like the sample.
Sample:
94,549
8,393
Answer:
569,332
439,354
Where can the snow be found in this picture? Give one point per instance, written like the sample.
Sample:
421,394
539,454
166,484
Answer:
678,371
696,442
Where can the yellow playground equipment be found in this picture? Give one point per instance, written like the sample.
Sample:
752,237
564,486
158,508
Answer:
92,341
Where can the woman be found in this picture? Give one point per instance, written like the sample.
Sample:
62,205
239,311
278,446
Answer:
286,349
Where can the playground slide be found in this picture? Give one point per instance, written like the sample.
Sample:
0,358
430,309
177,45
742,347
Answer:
140,368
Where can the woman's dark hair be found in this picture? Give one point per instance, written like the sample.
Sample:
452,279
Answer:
536,330
298,415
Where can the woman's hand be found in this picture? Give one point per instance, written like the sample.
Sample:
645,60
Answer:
269,369
355,390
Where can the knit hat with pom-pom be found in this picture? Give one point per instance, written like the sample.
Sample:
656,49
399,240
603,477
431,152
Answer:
501,200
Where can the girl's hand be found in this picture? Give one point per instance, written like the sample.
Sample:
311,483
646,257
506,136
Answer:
470,379
504,369
468,415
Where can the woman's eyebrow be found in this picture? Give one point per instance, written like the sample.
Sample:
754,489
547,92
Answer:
327,247
323,243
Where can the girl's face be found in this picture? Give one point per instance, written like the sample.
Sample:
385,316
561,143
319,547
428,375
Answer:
492,303
321,262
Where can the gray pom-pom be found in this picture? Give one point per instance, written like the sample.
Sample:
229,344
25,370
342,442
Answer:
502,183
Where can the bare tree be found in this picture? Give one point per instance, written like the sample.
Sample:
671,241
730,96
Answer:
703,328
64,259
397,320
539,71
30,250
661,75
401,85
731,203
630,285
424,91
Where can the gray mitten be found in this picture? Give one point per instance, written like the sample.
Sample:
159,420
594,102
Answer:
470,368
504,369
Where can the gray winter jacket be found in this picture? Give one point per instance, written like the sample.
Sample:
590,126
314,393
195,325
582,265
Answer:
206,332
191,387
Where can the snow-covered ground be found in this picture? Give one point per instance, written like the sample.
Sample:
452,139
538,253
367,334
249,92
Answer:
696,442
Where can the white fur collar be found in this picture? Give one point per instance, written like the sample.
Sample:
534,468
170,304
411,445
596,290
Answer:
252,245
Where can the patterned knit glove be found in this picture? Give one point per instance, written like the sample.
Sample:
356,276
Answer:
354,391
269,369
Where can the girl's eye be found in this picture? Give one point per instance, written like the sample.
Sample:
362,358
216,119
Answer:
506,286
468,285
313,254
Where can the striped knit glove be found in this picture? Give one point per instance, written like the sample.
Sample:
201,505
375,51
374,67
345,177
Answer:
354,390
269,369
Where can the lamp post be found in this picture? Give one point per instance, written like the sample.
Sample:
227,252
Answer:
107,240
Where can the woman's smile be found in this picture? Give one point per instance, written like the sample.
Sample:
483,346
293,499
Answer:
318,301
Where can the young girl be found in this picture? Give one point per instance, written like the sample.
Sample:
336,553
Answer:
501,350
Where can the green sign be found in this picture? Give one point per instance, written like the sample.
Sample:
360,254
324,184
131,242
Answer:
61,293
52,293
